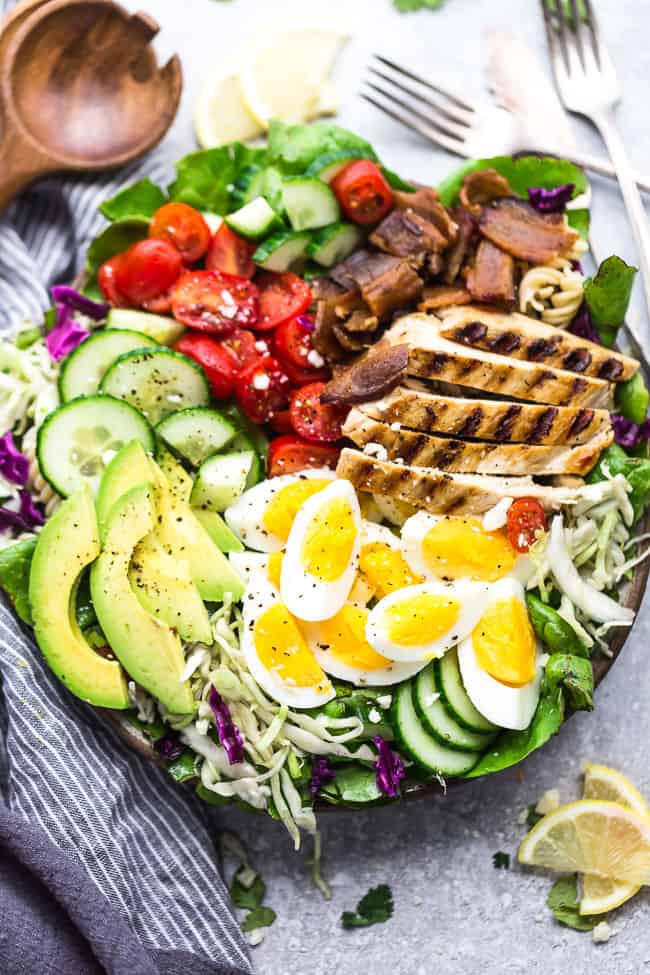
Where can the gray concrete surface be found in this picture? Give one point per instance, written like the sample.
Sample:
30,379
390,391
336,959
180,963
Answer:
454,913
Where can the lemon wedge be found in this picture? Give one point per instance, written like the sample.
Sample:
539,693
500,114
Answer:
220,114
600,894
287,75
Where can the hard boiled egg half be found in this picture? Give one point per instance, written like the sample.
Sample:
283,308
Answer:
262,517
501,662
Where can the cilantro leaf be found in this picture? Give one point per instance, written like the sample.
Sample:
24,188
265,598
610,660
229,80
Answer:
562,900
139,201
521,173
500,860
251,896
608,295
375,907
15,563
260,917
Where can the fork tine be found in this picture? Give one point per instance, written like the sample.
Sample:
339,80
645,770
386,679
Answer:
592,25
563,32
556,26
430,134
454,117
439,89
578,31
445,127
551,35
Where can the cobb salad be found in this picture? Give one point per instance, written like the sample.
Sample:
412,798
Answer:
339,478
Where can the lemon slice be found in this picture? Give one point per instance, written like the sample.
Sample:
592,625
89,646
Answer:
591,836
600,894
286,76
220,114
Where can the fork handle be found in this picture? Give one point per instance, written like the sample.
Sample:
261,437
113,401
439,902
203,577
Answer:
638,218
596,164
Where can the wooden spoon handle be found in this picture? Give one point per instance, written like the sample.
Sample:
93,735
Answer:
20,164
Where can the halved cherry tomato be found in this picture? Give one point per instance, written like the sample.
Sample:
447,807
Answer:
314,420
293,347
289,454
262,389
184,227
147,269
230,253
282,296
242,345
526,516
213,302
107,280
363,192
281,422
161,304
218,363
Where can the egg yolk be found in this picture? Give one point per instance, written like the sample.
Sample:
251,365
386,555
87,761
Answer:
274,568
285,504
384,569
458,548
418,620
282,649
504,643
344,636
329,541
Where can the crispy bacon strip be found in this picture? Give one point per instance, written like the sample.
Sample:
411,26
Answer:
426,202
518,228
492,276
481,187
374,374
466,223
442,296
405,233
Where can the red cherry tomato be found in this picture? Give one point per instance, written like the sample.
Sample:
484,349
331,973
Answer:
363,192
282,296
243,346
230,253
293,347
262,389
314,420
218,364
147,270
289,454
526,516
184,227
107,280
213,302
281,422
160,305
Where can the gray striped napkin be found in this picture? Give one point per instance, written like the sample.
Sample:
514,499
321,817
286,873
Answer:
91,811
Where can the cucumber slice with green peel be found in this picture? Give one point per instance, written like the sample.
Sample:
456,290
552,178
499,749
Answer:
334,243
281,250
254,433
218,530
254,220
437,720
419,745
157,382
163,330
196,434
267,182
243,442
239,195
312,271
86,366
221,480
455,697
330,164
309,203
78,440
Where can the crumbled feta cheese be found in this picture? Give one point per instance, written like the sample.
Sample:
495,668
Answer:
374,716
396,426
384,701
261,347
601,933
376,450
548,802
261,381
497,516
315,359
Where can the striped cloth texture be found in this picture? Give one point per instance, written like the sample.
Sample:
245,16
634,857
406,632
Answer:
146,843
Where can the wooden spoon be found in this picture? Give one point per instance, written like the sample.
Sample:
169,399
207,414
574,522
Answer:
81,90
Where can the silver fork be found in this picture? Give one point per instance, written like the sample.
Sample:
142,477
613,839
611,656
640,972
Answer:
587,83
465,128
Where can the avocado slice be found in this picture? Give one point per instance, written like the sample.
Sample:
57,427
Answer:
178,480
66,545
218,530
150,651
130,466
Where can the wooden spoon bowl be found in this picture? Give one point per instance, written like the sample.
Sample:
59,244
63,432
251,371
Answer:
82,90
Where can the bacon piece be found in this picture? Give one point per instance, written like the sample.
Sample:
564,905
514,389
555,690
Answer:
426,202
404,233
466,232
492,276
482,187
442,296
518,228
397,287
374,374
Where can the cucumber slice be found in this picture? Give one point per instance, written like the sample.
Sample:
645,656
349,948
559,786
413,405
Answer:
330,164
267,182
280,251
255,220
77,441
312,271
255,434
196,434
243,442
85,367
164,331
221,480
454,695
334,243
421,746
239,195
309,203
157,383
438,721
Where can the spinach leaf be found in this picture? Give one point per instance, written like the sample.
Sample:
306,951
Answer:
115,238
576,676
521,173
562,899
183,768
513,746
580,221
261,917
294,147
248,897
632,398
15,563
137,202
353,784
554,631
635,469
608,295
375,907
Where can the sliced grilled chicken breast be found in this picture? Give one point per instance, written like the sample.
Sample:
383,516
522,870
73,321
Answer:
433,357
461,456
440,492
488,419
521,337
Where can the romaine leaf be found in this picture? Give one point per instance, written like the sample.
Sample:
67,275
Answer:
375,907
562,900
294,147
522,174
608,295
205,179
635,469
15,563
139,201
576,676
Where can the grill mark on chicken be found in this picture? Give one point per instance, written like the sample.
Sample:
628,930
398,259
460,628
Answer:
578,360
471,333
472,423
581,422
504,344
544,425
541,349
611,369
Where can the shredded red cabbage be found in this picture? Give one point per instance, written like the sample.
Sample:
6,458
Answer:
63,294
14,466
550,201
583,326
627,433
306,322
25,519
66,335
229,734
321,773
389,768
169,747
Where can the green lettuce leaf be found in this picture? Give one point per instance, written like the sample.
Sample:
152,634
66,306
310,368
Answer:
580,221
294,147
521,173
137,202
635,469
354,784
576,676
205,179
15,563
608,295
632,398
115,238
563,901
408,6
